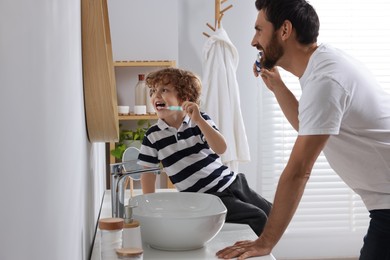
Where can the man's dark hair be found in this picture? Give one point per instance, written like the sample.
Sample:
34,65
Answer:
300,13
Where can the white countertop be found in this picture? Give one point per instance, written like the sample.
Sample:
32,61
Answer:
229,234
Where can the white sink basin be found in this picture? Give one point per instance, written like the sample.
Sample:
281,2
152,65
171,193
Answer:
178,220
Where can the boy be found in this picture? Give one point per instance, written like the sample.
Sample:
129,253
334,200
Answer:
188,144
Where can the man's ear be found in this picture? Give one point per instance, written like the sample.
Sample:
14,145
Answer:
286,30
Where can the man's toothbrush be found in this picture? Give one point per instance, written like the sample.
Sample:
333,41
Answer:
258,65
175,108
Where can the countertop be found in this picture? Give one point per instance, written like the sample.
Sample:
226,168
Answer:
229,234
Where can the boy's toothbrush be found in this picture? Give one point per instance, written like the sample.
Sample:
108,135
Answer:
175,108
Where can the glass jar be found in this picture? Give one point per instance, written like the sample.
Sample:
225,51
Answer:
110,237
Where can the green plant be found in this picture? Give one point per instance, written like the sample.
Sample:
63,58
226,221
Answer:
130,135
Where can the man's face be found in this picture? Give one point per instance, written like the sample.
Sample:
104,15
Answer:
266,39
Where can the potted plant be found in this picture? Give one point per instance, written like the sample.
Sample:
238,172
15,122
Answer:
130,137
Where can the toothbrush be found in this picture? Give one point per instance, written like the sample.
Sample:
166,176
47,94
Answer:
175,108
258,65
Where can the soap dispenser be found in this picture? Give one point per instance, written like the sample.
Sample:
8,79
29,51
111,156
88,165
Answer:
131,235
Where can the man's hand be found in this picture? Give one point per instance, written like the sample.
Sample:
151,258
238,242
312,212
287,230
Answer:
272,78
255,72
243,250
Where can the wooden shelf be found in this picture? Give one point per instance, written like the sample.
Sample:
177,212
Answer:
145,63
137,117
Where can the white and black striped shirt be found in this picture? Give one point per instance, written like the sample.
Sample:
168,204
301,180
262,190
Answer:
190,163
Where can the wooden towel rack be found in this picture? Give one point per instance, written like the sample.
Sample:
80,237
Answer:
218,16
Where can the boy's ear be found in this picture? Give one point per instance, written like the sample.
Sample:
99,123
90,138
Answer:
186,98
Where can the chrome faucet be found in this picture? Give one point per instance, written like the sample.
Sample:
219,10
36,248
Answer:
118,177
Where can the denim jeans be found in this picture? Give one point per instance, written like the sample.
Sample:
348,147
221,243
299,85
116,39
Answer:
377,240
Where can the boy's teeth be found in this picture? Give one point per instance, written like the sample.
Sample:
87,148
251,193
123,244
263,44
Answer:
160,106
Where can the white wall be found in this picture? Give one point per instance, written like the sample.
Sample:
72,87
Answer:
52,178
141,30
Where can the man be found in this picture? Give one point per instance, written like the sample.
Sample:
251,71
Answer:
342,111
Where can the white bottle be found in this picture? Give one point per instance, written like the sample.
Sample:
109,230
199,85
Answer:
149,105
140,90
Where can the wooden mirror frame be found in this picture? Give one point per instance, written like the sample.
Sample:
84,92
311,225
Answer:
98,73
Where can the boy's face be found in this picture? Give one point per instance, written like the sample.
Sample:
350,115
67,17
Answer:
163,96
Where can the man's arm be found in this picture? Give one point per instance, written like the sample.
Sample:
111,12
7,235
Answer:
288,195
291,186
286,99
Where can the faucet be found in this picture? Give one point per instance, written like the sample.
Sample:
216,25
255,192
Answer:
118,177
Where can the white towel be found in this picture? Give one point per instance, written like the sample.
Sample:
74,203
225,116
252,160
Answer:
221,97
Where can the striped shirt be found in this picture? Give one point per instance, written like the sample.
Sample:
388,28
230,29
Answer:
190,163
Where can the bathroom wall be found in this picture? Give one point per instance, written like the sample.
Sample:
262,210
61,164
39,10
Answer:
52,177
140,30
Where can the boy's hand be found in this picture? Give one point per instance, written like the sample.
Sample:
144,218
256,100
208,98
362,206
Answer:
214,138
192,109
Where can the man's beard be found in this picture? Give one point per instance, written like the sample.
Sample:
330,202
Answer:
272,53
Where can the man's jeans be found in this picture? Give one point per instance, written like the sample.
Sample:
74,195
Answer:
377,241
